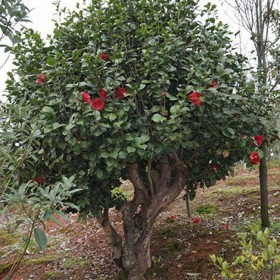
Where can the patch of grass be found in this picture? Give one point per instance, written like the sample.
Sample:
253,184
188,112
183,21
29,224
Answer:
240,178
273,163
170,230
70,263
5,266
44,259
171,247
8,238
273,172
53,275
2,253
74,263
232,190
206,209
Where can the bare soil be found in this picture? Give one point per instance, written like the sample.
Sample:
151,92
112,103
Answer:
180,248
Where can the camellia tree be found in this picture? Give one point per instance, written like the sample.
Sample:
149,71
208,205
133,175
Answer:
142,90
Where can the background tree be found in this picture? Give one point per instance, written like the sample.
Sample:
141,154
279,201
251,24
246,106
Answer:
144,90
258,17
12,12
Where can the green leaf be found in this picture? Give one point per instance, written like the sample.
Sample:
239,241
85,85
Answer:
174,109
104,155
131,149
69,126
122,154
69,86
171,97
142,146
61,215
114,154
48,110
112,117
231,131
51,61
40,238
158,118
99,174
56,125
54,219
144,138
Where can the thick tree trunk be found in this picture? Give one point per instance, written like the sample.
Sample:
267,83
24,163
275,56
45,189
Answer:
264,190
168,179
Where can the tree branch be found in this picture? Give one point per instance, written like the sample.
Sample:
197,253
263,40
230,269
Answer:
150,179
167,192
165,172
112,237
140,192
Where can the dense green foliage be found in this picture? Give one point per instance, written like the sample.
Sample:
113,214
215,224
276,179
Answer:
148,56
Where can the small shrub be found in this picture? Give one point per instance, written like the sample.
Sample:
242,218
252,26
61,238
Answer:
259,257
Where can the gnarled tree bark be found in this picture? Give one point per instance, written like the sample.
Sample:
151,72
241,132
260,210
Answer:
140,213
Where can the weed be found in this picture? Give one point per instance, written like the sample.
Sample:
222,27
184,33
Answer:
53,275
7,238
44,259
172,246
5,266
72,263
170,230
206,209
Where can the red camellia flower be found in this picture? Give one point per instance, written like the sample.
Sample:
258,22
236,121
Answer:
103,93
39,180
41,78
196,221
259,139
86,97
97,104
214,84
120,93
254,158
104,56
170,219
194,97
226,226
163,94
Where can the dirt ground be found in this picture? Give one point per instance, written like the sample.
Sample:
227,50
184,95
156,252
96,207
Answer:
180,246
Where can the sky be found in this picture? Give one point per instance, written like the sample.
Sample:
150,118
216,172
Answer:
43,12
